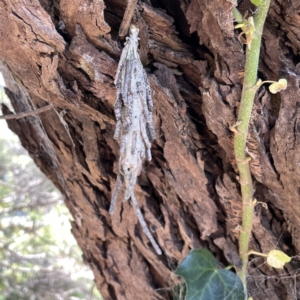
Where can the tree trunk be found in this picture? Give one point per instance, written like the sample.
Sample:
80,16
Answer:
65,53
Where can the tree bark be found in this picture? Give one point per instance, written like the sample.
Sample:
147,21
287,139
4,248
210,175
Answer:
65,53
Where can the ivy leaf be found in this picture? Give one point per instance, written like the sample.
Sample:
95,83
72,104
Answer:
278,86
277,259
205,282
257,2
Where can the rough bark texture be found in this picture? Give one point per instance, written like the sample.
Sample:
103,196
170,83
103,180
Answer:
66,52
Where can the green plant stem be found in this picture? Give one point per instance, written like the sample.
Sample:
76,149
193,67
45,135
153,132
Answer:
237,15
240,138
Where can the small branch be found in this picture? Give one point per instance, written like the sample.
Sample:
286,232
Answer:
26,114
61,118
123,31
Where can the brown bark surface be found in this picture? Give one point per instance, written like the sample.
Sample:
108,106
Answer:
65,53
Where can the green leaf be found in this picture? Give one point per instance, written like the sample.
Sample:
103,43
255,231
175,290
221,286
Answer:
205,282
277,259
257,2
278,86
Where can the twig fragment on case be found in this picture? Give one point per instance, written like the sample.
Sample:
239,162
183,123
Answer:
131,5
134,128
